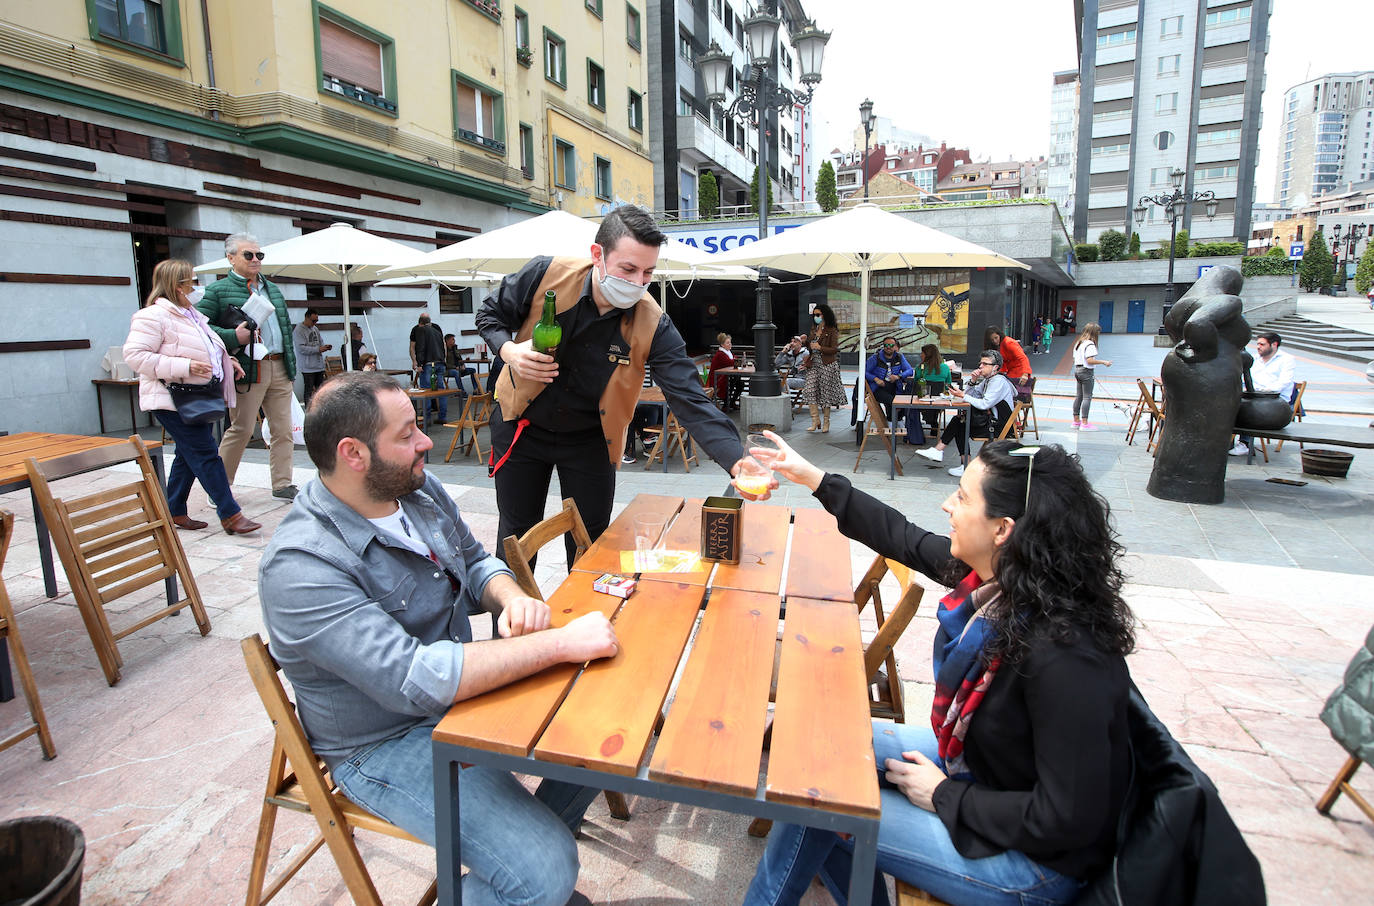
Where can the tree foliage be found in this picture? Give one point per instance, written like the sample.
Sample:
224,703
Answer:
1364,273
1318,268
1266,266
1111,244
1085,251
1135,245
754,192
708,196
826,196
1181,245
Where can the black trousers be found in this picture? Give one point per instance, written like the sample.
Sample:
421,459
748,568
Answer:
312,381
584,470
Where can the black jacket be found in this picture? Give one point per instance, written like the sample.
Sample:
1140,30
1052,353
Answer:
1177,844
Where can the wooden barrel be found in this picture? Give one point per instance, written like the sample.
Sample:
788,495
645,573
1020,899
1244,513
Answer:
1328,463
40,861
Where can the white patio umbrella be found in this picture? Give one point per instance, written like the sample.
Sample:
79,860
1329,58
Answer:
862,239
340,253
506,250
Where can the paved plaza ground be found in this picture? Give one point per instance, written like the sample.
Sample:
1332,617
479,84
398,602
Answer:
1248,613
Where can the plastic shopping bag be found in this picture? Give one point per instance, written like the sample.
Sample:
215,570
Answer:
297,425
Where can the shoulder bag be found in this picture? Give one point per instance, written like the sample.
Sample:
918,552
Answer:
199,404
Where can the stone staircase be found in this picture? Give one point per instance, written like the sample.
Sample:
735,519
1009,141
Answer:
1326,339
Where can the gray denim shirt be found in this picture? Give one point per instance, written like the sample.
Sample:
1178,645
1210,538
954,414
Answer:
370,633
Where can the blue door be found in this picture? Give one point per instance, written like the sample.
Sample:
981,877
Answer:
1135,316
1104,316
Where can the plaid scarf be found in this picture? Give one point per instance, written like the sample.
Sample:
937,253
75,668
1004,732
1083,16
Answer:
961,678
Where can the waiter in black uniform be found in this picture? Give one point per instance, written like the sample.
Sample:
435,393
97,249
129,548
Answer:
571,412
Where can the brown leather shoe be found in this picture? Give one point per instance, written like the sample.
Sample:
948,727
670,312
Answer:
239,524
186,522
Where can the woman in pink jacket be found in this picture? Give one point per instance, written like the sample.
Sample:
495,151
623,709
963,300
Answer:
169,341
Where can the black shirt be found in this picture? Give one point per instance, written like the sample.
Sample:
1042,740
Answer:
585,364
429,343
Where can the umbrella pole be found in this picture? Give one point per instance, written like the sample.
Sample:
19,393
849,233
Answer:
348,336
862,398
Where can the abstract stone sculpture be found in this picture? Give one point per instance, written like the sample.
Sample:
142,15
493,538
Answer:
1202,389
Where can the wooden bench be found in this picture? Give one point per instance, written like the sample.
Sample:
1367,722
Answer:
1328,433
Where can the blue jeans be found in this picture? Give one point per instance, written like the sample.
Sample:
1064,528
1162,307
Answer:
441,404
518,847
913,845
197,458
459,375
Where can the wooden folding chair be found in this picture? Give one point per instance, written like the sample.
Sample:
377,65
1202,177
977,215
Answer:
9,631
671,435
1298,389
1138,414
520,553
297,779
1010,428
114,542
476,414
884,684
1156,414
1028,421
885,699
875,425
1342,785
911,896
333,364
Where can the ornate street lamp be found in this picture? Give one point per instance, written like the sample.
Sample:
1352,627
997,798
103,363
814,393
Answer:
1174,204
866,117
759,92
1351,239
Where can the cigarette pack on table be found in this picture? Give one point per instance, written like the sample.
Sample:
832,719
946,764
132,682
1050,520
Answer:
613,584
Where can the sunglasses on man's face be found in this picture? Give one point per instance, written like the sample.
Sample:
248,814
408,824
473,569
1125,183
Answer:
251,255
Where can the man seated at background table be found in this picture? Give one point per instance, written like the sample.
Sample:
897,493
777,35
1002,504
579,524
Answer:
794,357
991,398
366,588
1272,370
887,372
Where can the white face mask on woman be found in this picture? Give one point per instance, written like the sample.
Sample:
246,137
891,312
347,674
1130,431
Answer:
195,295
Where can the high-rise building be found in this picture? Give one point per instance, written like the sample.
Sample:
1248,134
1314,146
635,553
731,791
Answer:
688,136
1325,135
1063,141
1165,85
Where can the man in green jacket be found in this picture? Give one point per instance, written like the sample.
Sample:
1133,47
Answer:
271,380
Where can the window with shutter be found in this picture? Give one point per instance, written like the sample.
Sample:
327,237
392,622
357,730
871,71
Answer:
355,61
478,114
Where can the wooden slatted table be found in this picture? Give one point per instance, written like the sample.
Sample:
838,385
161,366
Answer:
595,724
14,449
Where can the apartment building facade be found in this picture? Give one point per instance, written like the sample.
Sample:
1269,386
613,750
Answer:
688,136
132,132
1164,85
1324,140
1063,157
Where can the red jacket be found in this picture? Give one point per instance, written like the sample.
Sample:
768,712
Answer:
723,358
1014,361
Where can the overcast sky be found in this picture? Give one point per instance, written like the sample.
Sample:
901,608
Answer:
977,74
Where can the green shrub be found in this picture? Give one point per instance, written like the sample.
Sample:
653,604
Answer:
1212,249
708,195
1276,251
826,195
1364,272
1085,251
1181,245
1135,245
1265,266
1112,245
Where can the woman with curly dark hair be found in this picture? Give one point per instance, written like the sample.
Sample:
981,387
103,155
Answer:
1012,792
824,390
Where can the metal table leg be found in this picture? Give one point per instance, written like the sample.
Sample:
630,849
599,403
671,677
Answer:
100,406
6,680
40,527
170,582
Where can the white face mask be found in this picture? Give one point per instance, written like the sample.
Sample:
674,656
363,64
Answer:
619,292
195,295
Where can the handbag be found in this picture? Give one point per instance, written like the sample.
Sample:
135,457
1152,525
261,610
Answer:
199,404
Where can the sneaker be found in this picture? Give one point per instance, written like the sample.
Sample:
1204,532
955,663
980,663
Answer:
286,493
1239,449
932,454
628,459
957,471
1076,426
1086,426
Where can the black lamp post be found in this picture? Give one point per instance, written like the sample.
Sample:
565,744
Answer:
1353,232
1174,205
759,93
866,117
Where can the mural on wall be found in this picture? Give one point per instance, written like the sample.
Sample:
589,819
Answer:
914,306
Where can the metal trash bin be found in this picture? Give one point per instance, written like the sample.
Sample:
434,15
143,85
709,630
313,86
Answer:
41,858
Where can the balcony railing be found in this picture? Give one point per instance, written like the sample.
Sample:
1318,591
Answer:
338,86
491,144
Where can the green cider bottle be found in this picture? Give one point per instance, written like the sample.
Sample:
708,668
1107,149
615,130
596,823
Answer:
547,333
